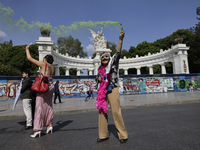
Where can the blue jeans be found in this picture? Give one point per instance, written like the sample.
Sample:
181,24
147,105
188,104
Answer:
86,95
91,93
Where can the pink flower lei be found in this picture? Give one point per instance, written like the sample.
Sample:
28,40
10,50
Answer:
102,90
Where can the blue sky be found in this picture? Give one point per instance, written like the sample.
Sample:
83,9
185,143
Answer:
142,20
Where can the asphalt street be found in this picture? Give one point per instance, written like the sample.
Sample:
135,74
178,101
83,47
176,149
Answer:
170,127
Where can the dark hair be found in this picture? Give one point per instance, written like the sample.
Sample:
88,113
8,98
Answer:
49,58
100,65
27,72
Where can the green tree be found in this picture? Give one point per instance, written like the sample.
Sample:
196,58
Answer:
132,51
125,53
121,72
198,12
7,70
71,71
3,46
112,47
194,52
13,58
71,46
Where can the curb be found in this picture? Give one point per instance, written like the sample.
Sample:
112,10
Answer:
95,110
160,104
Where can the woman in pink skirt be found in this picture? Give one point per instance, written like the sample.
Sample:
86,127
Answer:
43,109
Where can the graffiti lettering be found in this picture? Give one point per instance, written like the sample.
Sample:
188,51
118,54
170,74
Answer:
132,85
153,84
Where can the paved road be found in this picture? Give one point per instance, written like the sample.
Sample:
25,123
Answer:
170,127
77,105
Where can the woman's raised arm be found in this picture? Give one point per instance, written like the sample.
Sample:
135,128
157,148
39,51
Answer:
121,37
29,57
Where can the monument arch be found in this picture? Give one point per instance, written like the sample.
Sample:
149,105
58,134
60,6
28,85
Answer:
177,54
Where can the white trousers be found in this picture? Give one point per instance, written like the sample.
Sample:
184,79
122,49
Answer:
27,111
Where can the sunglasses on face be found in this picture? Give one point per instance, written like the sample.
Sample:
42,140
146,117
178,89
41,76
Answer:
106,56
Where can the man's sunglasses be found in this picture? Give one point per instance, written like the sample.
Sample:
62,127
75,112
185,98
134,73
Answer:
105,56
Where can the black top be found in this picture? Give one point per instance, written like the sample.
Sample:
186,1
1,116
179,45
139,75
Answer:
26,92
114,70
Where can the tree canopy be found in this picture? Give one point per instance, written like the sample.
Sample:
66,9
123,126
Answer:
194,52
13,59
72,47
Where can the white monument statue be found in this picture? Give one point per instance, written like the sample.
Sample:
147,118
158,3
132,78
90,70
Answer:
100,41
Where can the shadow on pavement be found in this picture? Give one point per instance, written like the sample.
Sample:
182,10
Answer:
23,123
2,110
60,124
112,129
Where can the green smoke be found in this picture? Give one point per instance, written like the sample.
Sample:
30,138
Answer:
5,14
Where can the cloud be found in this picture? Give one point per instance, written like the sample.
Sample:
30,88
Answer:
91,39
2,34
90,48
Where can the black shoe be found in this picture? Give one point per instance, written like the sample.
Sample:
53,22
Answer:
101,140
123,140
28,127
54,102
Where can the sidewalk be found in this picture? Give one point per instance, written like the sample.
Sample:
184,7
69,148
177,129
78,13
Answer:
78,105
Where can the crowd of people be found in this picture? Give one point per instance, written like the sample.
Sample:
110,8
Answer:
38,106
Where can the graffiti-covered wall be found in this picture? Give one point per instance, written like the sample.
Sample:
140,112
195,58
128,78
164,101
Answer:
72,86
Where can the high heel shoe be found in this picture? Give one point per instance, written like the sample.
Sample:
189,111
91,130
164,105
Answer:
35,134
49,129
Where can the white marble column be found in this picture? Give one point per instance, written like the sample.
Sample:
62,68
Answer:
96,68
163,68
67,71
180,59
150,69
90,71
78,72
57,71
138,70
125,71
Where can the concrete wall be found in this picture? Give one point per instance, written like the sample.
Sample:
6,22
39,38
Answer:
71,86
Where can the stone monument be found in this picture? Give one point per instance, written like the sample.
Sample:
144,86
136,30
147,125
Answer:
100,45
45,32
100,42
177,54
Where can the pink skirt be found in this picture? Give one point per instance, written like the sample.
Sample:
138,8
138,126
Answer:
43,110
